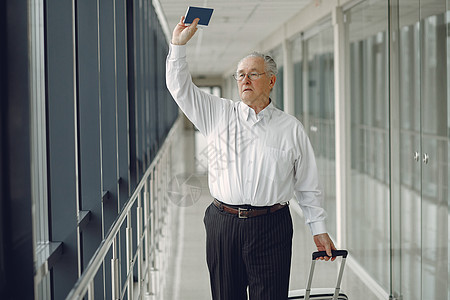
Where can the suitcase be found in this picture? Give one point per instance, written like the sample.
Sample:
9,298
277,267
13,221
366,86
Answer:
322,293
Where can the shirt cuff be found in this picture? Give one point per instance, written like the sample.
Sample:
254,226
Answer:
177,51
317,227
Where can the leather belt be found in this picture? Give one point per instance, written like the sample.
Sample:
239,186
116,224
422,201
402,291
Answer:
244,213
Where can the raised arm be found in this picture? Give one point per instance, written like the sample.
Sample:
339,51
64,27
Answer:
203,109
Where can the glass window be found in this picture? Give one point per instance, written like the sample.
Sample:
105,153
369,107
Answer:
368,203
39,148
297,60
319,58
447,21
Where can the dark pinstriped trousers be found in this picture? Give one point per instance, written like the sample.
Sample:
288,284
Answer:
254,252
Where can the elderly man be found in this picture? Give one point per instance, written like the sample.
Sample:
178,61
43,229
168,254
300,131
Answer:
261,159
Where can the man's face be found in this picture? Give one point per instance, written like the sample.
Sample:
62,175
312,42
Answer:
254,91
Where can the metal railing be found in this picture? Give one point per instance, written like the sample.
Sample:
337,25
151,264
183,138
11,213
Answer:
149,258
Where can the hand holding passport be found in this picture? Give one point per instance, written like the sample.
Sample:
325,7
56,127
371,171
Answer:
187,26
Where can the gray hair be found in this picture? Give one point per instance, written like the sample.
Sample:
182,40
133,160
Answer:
269,63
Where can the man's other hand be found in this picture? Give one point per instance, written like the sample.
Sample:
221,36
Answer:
183,33
324,243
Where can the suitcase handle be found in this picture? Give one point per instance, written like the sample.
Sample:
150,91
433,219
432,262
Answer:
317,254
334,253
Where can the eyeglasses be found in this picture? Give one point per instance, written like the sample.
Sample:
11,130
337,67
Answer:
252,76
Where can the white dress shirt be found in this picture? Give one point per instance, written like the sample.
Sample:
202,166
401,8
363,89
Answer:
257,159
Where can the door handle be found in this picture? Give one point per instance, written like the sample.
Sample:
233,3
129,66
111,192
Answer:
426,158
416,156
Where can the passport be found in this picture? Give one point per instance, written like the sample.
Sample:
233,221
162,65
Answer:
203,13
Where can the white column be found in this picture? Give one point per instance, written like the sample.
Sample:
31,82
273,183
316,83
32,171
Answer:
342,121
288,76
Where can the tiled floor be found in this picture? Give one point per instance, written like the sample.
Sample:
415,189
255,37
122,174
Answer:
187,277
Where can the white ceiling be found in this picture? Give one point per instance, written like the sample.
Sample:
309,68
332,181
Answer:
235,29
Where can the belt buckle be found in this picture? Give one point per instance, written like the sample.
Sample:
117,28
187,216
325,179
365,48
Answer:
240,215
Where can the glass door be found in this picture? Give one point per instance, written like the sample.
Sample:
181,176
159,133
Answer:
409,273
419,108
434,144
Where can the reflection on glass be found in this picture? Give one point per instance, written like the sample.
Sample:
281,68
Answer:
447,21
320,90
368,206
434,144
277,92
297,60
410,138
39,147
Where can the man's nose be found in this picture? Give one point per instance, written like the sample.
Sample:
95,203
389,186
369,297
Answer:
246,79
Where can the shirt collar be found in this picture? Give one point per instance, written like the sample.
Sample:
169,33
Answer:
265,114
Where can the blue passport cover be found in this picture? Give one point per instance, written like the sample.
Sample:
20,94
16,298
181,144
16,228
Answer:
198,12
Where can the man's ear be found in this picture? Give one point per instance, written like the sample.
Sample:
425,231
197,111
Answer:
273,79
